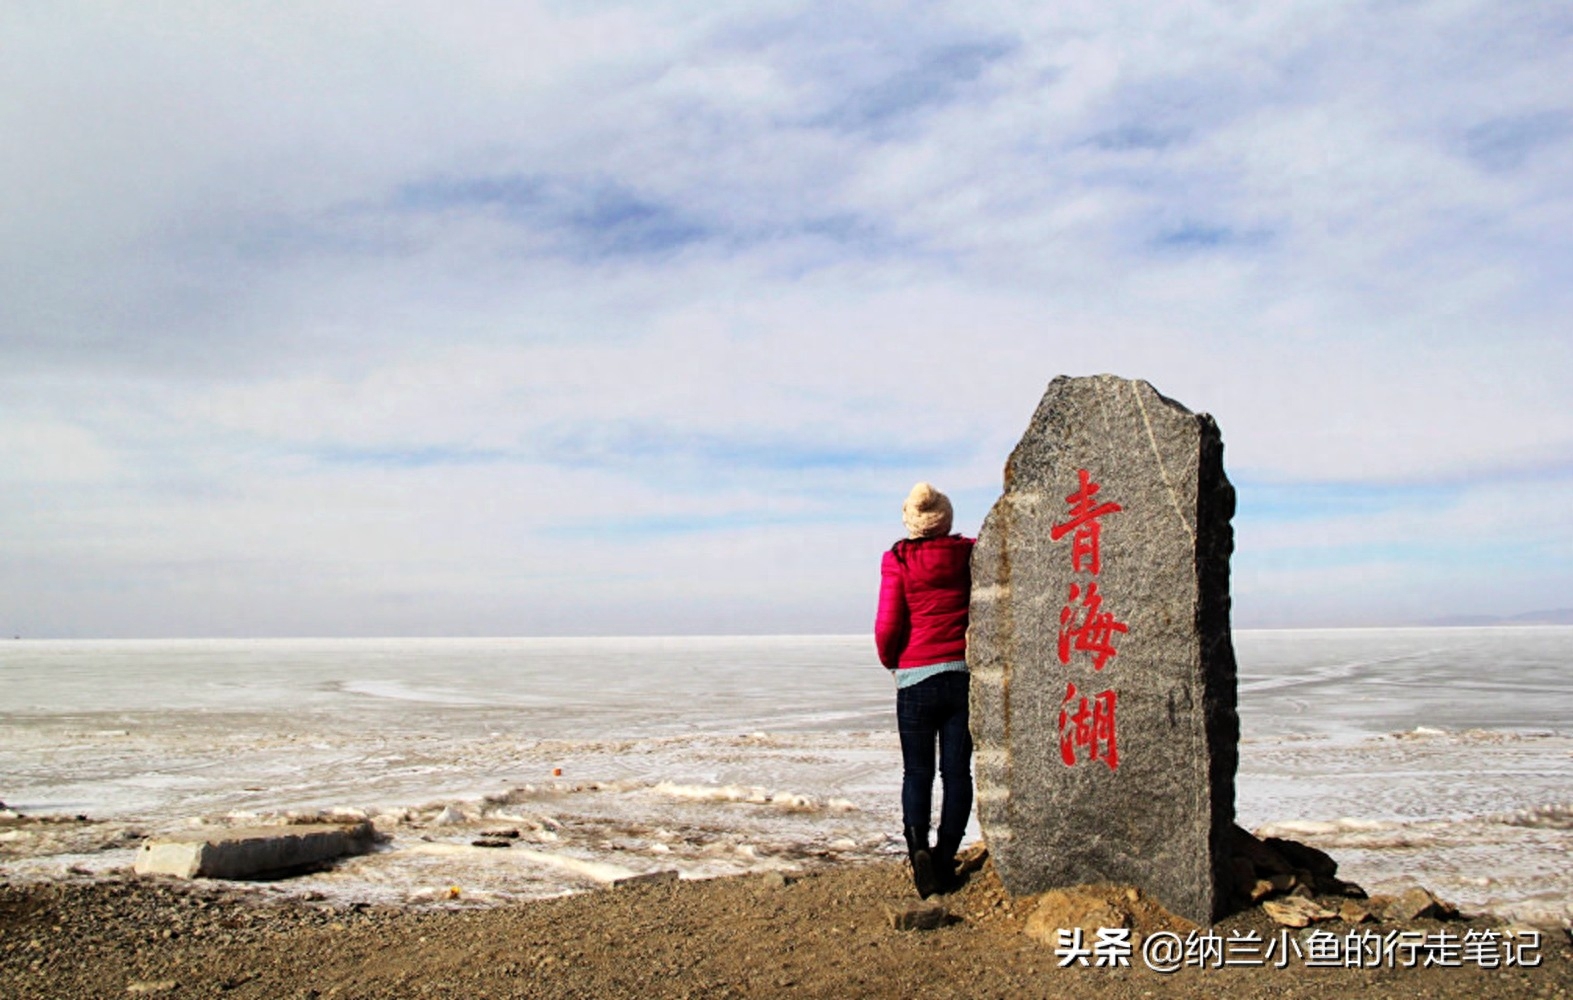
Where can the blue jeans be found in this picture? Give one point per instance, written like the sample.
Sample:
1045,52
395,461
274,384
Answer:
936,708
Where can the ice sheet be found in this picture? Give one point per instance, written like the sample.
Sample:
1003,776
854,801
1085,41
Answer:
1405,752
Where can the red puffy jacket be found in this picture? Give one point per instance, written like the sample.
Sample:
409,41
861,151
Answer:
924,588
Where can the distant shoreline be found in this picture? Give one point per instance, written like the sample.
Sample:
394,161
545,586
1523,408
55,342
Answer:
1560,616
1455,622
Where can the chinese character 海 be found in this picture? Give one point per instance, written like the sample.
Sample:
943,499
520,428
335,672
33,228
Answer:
1095,633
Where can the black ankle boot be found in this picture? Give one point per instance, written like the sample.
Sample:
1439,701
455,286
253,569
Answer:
922,861
943,859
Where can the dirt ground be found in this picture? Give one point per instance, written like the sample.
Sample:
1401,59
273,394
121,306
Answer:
827,934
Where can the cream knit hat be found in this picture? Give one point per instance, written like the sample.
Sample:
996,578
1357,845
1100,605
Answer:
926,513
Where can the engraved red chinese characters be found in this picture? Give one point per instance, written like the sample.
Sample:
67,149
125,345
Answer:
1087,724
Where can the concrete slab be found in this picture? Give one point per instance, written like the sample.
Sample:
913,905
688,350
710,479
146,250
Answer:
249,852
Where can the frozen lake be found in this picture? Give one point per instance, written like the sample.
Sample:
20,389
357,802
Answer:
1433,755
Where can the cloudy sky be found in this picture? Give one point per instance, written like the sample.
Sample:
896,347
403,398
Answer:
473,318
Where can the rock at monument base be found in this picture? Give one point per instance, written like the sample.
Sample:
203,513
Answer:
1303,856
1103,676
250,852
1271,867
1296,911
1059,910
1255,859
1095,907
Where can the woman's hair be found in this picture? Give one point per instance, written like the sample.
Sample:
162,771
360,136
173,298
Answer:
926,512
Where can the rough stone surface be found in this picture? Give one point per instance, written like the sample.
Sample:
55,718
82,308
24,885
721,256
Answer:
1260,860
248,852
917,916
1353,911
1296,911
1161,817
1059,910
1303,856
1413,904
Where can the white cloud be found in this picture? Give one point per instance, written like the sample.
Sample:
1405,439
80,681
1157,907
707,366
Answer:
350,306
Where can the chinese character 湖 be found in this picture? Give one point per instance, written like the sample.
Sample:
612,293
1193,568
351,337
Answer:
1088,724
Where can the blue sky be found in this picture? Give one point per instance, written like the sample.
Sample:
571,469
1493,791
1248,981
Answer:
511,318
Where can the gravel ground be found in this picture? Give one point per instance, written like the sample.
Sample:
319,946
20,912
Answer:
827,934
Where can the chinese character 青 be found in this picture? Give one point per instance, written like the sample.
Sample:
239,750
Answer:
1085,555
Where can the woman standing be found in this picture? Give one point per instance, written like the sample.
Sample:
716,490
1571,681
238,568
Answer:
921,632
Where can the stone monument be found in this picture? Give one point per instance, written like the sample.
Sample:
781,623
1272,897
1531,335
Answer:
1103,676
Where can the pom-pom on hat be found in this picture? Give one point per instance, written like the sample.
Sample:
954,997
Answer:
926,513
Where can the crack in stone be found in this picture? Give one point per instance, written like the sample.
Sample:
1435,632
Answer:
1152,439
